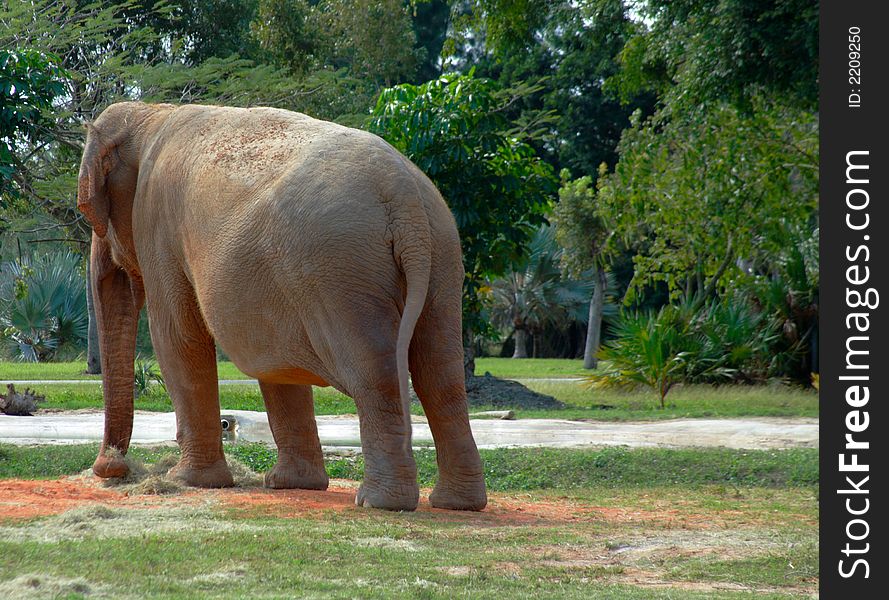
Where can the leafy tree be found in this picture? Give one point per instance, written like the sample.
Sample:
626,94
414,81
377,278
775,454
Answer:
533,294
29,81
570,50
698,51
700,198
374,38
584,234
210,28
454,129
284,28
430,22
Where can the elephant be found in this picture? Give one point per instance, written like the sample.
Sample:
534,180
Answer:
311,254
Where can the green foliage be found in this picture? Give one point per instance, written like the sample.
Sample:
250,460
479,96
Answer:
569,50
373,38
716,343
701,51
29,81
580,228
691,196
146,373
46,314
283,28
496,186
533,294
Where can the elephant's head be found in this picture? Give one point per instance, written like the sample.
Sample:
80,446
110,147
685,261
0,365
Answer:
109,173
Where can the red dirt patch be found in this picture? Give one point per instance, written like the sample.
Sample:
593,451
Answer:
28,499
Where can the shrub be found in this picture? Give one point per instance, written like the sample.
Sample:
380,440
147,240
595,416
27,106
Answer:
44,307
715,343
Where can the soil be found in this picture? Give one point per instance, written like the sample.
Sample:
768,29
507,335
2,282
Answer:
488,390
27,499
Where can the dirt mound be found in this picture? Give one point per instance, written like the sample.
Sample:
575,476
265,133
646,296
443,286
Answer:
488,390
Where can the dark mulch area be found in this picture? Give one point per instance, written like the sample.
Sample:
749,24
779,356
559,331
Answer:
488,390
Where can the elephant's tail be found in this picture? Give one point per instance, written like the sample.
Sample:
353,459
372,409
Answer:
412,249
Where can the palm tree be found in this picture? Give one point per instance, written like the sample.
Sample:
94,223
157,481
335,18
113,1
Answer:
45,305
534,294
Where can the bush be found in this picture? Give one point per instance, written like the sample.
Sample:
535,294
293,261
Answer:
43,311
717,342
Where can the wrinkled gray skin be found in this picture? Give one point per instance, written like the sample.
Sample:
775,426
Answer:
313,254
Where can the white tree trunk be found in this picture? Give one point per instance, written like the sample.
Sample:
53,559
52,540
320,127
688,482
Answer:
594,325
521,344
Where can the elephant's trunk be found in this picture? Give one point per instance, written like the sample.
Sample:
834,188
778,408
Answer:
118,300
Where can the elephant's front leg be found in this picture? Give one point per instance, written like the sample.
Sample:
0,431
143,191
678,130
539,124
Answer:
292,420
187,357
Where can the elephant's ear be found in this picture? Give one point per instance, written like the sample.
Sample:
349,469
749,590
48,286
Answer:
92,195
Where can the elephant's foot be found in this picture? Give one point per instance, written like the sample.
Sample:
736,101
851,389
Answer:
216,475
110,465
403,496
292,475
468,496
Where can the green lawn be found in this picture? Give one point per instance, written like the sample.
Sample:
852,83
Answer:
499,367
694,401
616,523
506,469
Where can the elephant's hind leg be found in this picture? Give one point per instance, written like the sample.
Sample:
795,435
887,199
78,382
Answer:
187,357
292,420
369,369
436,362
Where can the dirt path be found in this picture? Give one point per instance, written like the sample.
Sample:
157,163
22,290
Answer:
342,431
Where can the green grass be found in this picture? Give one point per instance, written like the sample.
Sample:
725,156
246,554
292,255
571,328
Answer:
499,367
691,402
370,555
530,368
723,516
505,469
683,402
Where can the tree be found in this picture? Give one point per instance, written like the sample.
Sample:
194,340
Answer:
700,51
373,38
29,81
709,200
285,30
533,294
583,234
499,190
569,49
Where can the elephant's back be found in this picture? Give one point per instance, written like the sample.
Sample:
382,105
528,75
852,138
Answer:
244,148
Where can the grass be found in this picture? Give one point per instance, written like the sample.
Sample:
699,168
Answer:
695,401
624,529
499,367
683,402
581,403
505,469
370,555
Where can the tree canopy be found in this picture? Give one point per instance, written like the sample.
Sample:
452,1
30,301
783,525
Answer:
499,190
